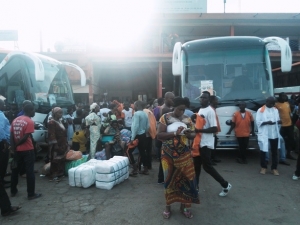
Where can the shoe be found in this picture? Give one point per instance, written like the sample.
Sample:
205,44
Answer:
275,172
263,171
289,156
34,196
213,162
295,177
11,211
225,191
160,182
284,163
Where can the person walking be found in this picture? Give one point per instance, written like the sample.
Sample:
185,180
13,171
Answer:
174,130
209,127
21,143
287,128
139,127
58,145
241,122
93,122
267,120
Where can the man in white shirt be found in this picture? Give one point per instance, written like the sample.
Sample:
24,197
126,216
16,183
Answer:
267,120
207,144
128,113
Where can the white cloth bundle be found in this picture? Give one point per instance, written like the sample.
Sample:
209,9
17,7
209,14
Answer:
174,126
83,175
112,172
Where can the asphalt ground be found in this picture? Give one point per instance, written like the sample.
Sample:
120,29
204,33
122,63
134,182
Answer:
254,199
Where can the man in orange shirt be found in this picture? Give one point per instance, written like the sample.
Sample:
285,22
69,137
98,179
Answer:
241,122
287,128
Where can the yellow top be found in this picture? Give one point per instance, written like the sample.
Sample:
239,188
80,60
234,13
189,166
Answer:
284,113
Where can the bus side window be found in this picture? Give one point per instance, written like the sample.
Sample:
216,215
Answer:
3,84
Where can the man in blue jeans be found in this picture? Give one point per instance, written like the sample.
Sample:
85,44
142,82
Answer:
21,143
282,153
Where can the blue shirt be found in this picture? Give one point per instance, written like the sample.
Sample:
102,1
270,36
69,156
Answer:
188,112
140,124
4,128
20,113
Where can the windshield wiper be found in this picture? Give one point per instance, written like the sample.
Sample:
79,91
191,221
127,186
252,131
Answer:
242,99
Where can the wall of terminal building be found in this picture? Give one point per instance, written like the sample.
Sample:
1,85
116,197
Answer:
129,81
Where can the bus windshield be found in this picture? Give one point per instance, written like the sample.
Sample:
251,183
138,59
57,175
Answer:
231,74
55,88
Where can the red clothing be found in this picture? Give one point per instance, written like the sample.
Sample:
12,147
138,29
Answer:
19,127
242,125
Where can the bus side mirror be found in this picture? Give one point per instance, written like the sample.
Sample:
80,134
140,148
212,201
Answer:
285,51
176,60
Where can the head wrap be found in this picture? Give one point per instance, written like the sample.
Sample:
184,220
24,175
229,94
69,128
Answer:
93,106
55,110
179,101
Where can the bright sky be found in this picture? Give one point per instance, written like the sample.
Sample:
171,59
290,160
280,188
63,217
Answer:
101,22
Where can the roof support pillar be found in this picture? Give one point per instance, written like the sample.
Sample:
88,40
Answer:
90,77
231,30
159,80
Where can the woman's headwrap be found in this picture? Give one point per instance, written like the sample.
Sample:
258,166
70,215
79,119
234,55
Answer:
55,110
93,106
179,101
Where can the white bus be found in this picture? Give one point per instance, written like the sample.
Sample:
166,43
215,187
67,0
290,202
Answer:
40,79
287,82
232,68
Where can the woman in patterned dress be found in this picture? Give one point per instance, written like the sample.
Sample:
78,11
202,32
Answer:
58,145
93,121
174,130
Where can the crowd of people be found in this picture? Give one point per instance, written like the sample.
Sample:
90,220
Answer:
184,141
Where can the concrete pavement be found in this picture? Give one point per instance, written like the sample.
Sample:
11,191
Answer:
254,199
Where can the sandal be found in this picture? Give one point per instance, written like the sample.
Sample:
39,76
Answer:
187,213
166,215
133,173
12,210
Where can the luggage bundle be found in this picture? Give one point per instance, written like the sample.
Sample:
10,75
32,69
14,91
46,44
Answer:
75,163
106,173
82,175
111,172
